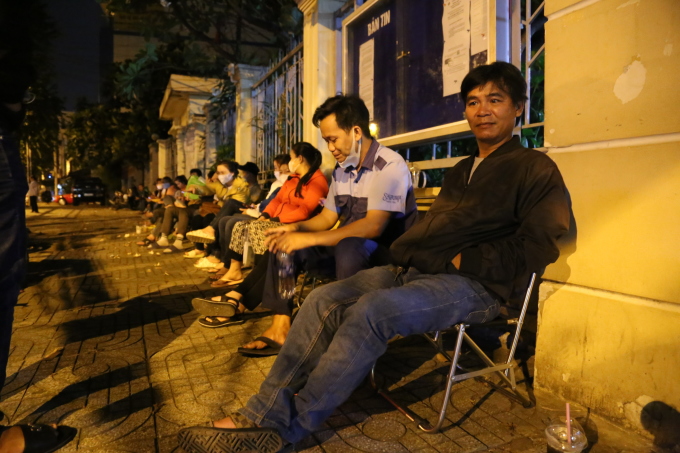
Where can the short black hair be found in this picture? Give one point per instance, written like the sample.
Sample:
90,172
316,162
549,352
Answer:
211,173
198,172
230,164
349,111
504,75
166,179
282,159
182,179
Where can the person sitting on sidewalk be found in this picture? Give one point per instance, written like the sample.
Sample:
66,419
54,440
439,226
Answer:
231,193
299,199
370,194
496,220
166,197
221,228
249,173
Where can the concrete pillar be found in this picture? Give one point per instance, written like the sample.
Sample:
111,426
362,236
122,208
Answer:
153,165
181,153
165,158
244,77
322,67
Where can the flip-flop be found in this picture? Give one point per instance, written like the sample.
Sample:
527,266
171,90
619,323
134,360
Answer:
46,439
273,348
225,283
224,307
144,243
212,321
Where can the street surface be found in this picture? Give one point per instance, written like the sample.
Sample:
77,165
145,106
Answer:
106,341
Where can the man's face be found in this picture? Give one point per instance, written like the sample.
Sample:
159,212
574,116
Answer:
181,185
339,142
491,113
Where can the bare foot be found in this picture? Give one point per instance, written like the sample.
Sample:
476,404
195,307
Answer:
232,276
12,440
224,423
213,259
278,332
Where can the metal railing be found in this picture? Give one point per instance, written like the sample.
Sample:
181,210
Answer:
277,104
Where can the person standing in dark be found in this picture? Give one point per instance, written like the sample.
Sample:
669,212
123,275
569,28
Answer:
16,75
33,190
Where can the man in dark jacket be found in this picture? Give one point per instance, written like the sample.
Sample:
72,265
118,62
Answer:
496,220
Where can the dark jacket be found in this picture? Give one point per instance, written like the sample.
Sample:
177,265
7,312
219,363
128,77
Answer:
505,222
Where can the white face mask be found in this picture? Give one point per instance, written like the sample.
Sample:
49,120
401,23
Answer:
354,154
277,174
294,165
159,186
225,179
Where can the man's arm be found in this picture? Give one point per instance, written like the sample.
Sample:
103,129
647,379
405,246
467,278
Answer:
369,227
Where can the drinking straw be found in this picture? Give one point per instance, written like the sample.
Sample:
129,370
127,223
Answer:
568,427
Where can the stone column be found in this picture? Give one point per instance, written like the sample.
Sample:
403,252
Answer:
165,158
153,164
244,77
322,67
181,153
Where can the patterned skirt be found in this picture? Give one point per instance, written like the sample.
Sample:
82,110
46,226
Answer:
252,231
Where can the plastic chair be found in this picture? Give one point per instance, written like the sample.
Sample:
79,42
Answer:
504,370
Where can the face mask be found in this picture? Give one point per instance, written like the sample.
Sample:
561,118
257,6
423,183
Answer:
225,179
166,185
354,155
294,165
159,186
277,174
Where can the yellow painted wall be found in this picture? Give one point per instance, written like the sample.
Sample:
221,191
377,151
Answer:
612,355
612,71
609,331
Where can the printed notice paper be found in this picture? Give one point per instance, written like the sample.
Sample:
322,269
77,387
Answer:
456,55
366,70
478,26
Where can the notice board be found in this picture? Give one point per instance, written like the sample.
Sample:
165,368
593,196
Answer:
406,59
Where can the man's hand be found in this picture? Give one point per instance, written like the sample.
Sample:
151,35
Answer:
456,261
274,233
290,242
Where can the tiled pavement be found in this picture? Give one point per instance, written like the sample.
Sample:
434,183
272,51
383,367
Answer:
106,340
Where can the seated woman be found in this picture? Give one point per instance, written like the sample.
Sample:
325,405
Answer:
166,197
220,228
297,200
230,191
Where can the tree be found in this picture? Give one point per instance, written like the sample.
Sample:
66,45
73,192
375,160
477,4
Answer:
236,31
40,132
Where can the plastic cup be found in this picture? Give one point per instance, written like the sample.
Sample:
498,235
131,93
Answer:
557,437
138,229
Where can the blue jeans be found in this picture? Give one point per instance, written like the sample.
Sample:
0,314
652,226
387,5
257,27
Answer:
342,329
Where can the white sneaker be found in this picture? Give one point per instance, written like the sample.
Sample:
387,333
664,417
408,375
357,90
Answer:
163,241
201,236
205,263
194,254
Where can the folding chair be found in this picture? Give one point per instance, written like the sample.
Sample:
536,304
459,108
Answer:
504,370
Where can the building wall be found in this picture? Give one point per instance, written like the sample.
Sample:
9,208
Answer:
610,312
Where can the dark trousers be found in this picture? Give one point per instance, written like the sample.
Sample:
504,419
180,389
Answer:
182,216
13,188
225,226
344,260
34,203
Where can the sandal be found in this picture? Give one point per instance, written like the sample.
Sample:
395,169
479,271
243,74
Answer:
225,283
272,348
212,321
144,243
45,438
224,307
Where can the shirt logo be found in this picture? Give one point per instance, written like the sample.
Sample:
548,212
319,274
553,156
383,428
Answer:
391,198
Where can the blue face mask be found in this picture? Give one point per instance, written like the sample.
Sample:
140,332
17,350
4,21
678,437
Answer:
166,185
